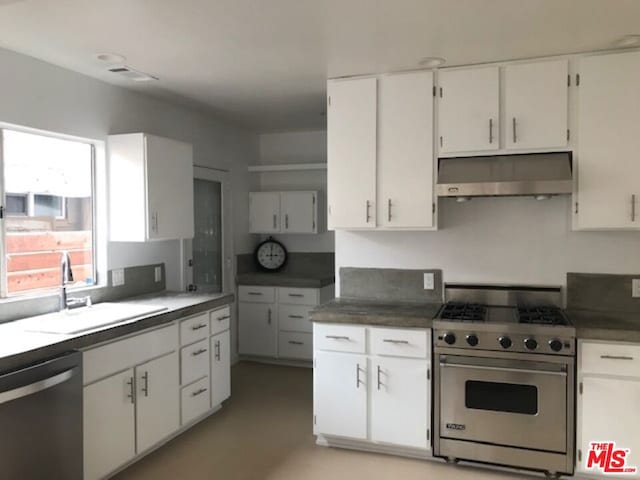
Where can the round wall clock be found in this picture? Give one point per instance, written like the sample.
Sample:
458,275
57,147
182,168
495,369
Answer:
271,255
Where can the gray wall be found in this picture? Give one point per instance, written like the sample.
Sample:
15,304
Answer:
39,95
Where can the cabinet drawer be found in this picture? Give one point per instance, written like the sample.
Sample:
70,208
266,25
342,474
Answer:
195,400
295,318
220,320
295,345
610,359
194,328
194,361
339,338
114,357
399,342
256,294
298,296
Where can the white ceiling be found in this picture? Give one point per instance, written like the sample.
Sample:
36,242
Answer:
263,63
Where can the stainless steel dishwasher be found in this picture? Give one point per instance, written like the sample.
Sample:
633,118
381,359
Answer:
41,420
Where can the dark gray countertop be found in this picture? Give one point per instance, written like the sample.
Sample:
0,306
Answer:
612,326
19,347
372,312
285,279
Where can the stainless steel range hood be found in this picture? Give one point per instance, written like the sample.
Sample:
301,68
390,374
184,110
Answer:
537,174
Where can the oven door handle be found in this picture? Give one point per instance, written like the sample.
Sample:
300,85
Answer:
501,369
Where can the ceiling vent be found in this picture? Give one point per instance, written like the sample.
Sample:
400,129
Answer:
132,74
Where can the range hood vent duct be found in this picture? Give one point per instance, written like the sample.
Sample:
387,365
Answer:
534,174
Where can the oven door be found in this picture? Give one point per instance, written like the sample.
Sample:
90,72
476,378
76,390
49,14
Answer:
517,403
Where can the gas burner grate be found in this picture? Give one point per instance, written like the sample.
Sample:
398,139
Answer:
465,312
542,316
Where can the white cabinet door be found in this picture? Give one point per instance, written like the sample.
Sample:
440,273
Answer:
109,425
405,155
158,401
299,212
608,411
536,104
340,393
400,402
351,154
169,166
608,143
469,109
257,329
264,212
220,368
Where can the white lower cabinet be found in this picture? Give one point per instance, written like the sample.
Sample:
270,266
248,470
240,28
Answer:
109,424
157,401
258,329
195,400
366,391
607,401
400,402
220,368
341,394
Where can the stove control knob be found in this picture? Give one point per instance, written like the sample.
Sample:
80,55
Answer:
505,342
472,339
531,343
449,338
555,344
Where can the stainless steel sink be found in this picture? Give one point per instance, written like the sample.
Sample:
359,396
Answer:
83,319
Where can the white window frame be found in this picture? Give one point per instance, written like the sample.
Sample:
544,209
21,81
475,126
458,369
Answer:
98,212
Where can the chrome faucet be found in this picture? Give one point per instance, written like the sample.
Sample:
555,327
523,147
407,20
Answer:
67,277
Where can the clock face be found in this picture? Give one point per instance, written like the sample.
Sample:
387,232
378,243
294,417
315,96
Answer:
271,255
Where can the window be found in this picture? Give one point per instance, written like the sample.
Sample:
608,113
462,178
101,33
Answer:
49,208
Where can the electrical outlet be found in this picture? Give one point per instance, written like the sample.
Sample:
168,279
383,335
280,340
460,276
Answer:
428,281
635,288
158,272
117,277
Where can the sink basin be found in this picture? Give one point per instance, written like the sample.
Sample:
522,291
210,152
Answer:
84,319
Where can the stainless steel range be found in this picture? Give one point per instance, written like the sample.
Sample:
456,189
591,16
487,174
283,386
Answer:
504,362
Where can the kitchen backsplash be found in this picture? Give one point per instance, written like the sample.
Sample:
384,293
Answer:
297,263
138,281
389,284
602,292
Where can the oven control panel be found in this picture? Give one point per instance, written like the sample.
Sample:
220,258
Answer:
545,343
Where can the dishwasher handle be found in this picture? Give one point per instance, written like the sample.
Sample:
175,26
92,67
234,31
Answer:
38,386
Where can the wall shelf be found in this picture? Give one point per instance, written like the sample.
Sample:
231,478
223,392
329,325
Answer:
289,167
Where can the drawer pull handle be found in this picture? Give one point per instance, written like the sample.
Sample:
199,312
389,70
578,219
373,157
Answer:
391,340
379,374
199,352
616,357
198,392
293,342
224,317
296,294
217,350
337,337
198,327
254,293
296,316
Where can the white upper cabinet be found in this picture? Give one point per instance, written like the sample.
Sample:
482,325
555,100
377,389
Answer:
283,212
405,150
608,142
151,188
469,110
536,105
264,212
352,145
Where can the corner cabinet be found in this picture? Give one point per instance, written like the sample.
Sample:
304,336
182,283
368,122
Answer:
150,188
608,190
607,401
380,152
284,212
372,388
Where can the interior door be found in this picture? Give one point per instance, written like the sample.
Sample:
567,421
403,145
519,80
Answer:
158,401
405,155
620,398
351,152
608,146
220,368
537,104
469,109
298,212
